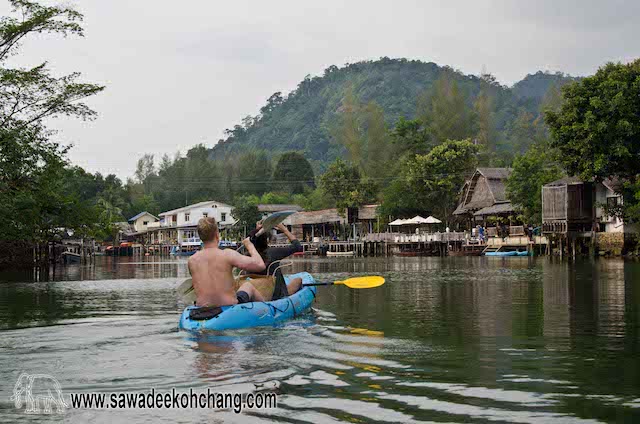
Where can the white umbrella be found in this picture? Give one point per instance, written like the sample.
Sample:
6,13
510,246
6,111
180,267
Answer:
398,222
417,220
432,220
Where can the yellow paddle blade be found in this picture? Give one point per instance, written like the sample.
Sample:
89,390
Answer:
362,282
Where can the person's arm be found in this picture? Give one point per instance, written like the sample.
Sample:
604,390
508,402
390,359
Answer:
295,244
279,253
251,263
284,230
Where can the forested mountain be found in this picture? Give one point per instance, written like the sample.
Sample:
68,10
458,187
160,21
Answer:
303,120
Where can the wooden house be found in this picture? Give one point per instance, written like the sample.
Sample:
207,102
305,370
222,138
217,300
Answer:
574,210
573,205
568,206
484,194
329,224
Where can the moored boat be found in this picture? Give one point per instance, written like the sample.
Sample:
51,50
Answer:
508,253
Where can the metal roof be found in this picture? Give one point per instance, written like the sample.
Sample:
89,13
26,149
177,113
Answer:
195,205
133,218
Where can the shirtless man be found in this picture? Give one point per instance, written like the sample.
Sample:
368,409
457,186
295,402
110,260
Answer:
211,268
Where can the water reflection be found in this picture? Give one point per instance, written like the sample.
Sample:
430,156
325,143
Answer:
445,339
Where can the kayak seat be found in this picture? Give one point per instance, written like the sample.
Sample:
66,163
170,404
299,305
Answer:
204,313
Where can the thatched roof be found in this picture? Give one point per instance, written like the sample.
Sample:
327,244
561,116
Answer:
497,209
485,188
495,173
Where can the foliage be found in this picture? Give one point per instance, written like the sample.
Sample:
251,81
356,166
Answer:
37,195
245,210
411,135
530,172
312,200
344,184
362,131
293,173
306,119
449,117
597,129
430,183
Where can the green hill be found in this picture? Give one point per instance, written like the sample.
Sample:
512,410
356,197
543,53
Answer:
302,120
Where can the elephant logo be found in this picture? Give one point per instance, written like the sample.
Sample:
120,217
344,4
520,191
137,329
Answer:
36,388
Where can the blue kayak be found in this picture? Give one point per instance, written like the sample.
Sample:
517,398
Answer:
256,314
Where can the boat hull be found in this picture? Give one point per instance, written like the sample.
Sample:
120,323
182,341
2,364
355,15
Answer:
256,314
512,253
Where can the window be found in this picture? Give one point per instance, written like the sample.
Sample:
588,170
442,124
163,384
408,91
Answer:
214,206
612,202
223,217
187,217
145,223
205,214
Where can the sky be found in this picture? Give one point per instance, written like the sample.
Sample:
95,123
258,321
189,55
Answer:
180,73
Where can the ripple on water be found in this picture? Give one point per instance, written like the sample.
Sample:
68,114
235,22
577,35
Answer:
445,340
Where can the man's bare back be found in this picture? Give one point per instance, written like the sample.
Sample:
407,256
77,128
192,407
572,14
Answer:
211,274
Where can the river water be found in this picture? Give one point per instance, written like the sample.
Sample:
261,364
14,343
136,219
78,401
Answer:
467,339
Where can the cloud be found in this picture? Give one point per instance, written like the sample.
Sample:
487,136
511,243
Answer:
179,73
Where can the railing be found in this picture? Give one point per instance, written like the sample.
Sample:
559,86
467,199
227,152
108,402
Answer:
415,238
374,237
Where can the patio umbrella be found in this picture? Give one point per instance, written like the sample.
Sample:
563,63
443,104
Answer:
417,220
432,220
398,222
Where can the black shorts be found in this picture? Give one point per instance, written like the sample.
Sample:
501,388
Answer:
243,297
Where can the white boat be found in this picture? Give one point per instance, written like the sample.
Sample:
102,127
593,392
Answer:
71,258
350,253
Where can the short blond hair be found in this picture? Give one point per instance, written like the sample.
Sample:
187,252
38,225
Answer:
207,229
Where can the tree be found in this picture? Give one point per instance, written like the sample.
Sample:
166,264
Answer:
293,173
33,181
431,182
531,171
313,200
411,136
246,212
522,132
449,117
597,129
347,132
377,141
145,168
345,185
30,95
485,120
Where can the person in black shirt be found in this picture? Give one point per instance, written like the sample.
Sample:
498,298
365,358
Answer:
274,254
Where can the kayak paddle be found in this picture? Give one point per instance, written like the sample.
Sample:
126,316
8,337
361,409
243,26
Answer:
185,290
270,222
368,282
